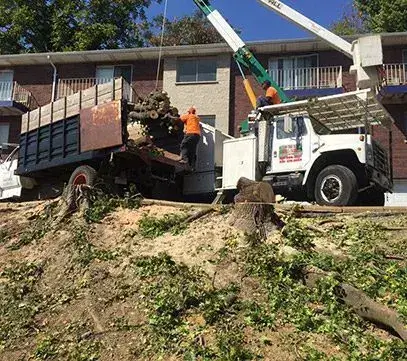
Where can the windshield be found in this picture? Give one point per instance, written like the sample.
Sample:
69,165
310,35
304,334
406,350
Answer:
319,128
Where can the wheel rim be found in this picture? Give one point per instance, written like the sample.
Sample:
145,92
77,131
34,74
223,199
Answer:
331,188
79,179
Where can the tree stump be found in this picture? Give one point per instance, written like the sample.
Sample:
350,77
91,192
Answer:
253,211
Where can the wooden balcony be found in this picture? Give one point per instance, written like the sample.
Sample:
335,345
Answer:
308,78
14,92
71,86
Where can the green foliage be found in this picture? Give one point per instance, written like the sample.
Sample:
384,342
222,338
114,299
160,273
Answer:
187,30
373,16
56,25
102,204
19,301
297,236
46,349
350,24
382,15
174,292
153,227
86,251
67,345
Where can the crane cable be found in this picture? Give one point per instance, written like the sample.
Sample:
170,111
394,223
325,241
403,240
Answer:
161,43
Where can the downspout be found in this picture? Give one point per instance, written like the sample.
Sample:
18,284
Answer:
54,79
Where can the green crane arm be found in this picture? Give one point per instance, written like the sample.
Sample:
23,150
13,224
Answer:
242,54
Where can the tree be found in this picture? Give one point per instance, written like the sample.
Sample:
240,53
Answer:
383,15
188,30
60,25
351,23
373,16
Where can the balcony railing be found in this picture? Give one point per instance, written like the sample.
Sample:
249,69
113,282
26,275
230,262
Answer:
395,74
71,86
12,91
308,78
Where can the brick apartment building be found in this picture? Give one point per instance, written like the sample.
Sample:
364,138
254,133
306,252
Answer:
206,76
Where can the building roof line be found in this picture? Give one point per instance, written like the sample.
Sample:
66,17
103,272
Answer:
149,53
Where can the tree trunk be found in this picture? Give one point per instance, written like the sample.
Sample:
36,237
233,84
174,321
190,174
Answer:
253,212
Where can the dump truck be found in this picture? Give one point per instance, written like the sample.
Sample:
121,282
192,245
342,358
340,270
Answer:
86,136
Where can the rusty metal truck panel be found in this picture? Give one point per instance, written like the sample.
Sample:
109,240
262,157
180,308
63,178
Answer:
101,126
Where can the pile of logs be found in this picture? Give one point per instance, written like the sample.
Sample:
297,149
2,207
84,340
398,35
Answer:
153,110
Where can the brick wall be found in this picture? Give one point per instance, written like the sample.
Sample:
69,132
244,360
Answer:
37,79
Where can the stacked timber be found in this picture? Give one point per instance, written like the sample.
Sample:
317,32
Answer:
155,119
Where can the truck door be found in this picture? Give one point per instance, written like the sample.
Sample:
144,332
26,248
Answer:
291,148
10,185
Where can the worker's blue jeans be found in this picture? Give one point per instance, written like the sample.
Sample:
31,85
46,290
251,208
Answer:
262,102
188,148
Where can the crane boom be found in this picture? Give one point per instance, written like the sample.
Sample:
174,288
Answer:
242,54
294,16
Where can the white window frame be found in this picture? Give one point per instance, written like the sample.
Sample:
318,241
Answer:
5,124
202,116
117,65
295,58
214,58
12,84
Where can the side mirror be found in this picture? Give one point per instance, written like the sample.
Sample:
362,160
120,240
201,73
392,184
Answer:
288,124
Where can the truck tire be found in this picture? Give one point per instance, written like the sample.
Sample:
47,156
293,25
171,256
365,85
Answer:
372,197
82,175
336,185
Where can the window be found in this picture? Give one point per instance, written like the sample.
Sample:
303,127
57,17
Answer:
208,119
294,72
6,84
404,55
319,128
298,128
4,133
105,74
196,70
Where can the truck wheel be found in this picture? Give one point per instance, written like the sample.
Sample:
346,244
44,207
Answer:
336,185
83,175
372,197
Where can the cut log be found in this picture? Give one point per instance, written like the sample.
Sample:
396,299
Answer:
360,303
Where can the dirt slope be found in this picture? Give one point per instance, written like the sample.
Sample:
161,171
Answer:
135,285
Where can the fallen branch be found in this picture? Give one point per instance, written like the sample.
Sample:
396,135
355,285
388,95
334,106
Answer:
198,214
360,303
151,202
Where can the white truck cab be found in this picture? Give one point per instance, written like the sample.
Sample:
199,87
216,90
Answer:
314,150
10,184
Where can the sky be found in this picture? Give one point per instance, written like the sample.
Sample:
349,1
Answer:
259,23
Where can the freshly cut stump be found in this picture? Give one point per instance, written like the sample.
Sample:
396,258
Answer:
253,212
